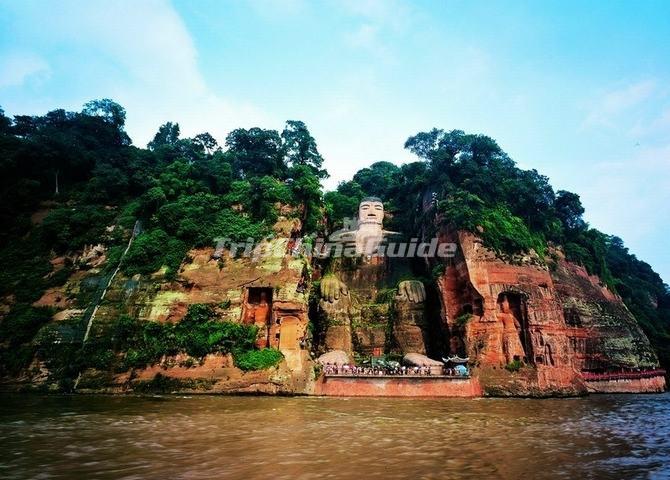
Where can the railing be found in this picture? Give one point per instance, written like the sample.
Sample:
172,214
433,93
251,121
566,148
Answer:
391,375
411,372
598,377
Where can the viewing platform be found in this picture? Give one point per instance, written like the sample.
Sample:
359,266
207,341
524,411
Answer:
389,385
599,377
408,376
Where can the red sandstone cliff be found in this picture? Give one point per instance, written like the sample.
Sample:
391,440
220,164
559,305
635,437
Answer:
532,328
529,327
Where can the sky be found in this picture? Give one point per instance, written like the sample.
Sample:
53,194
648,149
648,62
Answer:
578,90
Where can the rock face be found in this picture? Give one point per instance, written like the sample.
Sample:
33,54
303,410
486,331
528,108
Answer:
359,317
410,327
369,318
602,331
531,329
269,291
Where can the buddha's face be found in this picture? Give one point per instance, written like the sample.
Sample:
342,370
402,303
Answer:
371,212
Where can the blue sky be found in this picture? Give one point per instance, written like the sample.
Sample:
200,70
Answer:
578,90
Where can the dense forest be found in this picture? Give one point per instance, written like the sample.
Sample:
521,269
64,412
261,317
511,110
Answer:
93,185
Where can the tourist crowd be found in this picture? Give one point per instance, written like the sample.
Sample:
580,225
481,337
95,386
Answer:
395,370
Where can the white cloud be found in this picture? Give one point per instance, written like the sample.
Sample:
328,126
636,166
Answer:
394,14
142,55
367,37
656,126
628,196
379,21
610,105
148,38
17,67
277,9
195,113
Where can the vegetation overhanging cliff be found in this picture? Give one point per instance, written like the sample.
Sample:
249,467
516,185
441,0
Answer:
74,191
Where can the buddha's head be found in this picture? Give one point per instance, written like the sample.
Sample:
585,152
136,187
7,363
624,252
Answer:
371,210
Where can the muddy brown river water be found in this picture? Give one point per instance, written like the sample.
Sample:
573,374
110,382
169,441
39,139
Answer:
102,437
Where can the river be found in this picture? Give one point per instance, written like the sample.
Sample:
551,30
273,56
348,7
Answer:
198,437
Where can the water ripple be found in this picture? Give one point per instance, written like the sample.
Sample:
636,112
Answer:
308,438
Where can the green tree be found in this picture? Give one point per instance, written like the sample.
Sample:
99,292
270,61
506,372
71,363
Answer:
152,200
462,209
5,122
108,110
152,250
206,142
180,178
306,189
264,195
343,202
300,147
257,152
569,209
167,135
189,217
108,183
217,172
378,180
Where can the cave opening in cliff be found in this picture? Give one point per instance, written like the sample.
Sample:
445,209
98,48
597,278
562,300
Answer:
258,311
572,318
259,295
513,313
478,307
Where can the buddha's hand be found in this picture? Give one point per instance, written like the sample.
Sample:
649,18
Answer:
412,290
332,288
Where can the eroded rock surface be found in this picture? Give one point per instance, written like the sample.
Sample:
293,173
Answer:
530,328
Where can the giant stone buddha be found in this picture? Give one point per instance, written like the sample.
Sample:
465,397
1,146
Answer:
368,303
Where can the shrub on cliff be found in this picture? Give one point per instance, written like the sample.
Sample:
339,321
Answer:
198,334
22,323
514,366
70,228
462,320
231,225
505,232
25,267
258,359
152,250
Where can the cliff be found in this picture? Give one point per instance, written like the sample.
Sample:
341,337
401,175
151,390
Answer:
532,327
267,291
109,281
529,327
